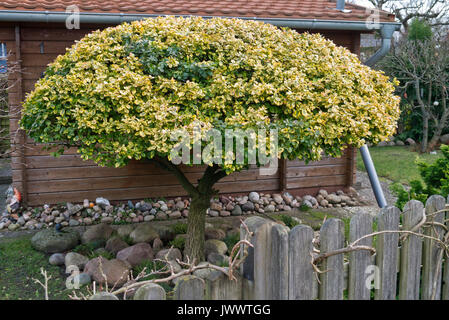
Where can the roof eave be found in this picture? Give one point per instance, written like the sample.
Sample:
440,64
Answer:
117,18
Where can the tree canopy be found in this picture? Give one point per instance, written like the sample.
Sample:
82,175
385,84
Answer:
118,93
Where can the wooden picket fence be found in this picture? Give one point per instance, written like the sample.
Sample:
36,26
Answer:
408,262
405,265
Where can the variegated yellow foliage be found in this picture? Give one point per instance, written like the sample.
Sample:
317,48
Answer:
118,93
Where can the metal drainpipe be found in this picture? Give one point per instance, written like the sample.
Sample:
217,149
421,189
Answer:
387,34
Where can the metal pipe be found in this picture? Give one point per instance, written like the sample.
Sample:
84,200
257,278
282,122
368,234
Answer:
373,178
341,5
117,18
387,35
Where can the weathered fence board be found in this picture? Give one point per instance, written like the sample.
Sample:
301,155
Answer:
278,263
332,238
411,253
361,224
432,264
445,288
387,253
302,280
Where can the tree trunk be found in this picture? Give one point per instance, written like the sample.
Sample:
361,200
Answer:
425,133
196,226
200,202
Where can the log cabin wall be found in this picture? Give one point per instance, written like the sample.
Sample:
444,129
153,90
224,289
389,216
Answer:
43,178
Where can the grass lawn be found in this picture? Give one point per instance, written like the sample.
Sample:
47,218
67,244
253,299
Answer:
19,264
396,163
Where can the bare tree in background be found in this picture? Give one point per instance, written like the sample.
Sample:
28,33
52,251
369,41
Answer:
436,12
5,85
422,67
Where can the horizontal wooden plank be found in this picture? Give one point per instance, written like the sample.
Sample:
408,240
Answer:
46,46
320,181
145,192
317,170
39,34
37,60
7,34
324,161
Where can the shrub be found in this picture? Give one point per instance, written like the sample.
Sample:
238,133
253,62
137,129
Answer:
435,177
180,228
288,220
178,242
121,93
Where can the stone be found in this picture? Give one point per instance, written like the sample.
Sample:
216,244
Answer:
324,203
161,216
103,296
136,254
73,223
157,245
180,205
400,143
216,206
333,198
148,218
217,259
143,233
171,254
150,291
214,245
75,259
175,215
248,206
224,213
125,230
306,203
107,220
214,213
253,196
102,202
165,233
410,142
97,232
189,288
115,244
214,233
237,211
287,197
51,241
87,221
79,279
278,198
102,270
323,193
57,259
74,209
86,203
270,208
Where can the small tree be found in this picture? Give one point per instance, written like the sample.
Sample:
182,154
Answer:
121,93
420,62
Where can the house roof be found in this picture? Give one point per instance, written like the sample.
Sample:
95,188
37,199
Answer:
283,9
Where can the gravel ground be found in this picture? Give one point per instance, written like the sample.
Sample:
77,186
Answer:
363,187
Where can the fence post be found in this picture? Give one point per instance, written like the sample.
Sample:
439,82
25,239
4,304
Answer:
189,288
332,238
361,224
411,253
387,253
302,281
431,250
247,267
445,288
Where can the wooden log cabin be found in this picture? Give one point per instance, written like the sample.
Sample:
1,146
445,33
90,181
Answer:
34,32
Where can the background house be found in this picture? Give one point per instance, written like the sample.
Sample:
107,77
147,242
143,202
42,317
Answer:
34,32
